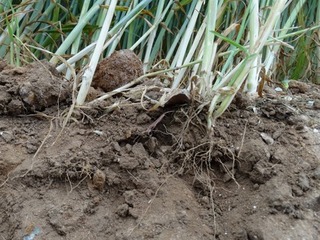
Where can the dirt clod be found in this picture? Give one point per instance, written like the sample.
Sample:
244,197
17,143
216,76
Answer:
115,71
99,179
123,210
31,88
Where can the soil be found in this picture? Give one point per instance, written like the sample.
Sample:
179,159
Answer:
129,173
116,70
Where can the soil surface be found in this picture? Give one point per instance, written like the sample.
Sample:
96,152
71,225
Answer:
127,173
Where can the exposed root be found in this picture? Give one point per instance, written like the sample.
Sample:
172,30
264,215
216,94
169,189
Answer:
205,156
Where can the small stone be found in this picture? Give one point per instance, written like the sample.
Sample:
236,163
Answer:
98,132
278,89
309,104
277,133
128,148
7,136
267,139
116,146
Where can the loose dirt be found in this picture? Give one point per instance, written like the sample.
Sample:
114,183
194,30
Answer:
128,173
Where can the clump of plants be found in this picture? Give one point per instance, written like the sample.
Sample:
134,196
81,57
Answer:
212,48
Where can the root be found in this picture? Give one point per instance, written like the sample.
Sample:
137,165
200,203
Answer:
77,185
202,157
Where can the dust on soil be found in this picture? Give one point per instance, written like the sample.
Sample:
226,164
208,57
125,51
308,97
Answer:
134,174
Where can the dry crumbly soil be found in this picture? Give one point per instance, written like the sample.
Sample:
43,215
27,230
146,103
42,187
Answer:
136,174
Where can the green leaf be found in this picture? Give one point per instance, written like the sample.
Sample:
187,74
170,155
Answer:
230,41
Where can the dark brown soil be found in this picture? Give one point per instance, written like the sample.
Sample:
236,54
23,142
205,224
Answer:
136,174
31,88
120,68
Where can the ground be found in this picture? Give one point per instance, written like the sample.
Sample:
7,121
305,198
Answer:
130,173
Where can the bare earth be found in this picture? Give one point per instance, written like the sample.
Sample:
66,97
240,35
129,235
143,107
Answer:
136,174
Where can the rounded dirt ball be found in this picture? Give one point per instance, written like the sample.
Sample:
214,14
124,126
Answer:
117,70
